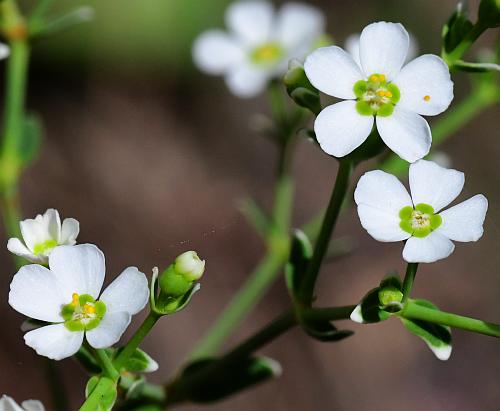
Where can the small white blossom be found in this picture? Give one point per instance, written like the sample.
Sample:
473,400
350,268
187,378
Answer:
42,234
259,43
8,404
389,213
66,295
379,91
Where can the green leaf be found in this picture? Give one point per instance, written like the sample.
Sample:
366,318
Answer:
436,336
227,381
456,29
31,138
107,393
300,255
489,13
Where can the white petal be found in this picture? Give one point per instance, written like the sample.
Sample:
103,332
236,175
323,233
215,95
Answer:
382,48
380,224
214,52
333,71
406,133
299,23
79,268
8,404
35,292
340,128
464,222
383,191
54,341
434,185
129,292
53,222
428,249
351,45
247,81
69,231
4,51
33,405
15,246
251,21
35,231
109,330
425,85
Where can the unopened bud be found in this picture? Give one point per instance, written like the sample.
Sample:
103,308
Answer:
178,278
190,266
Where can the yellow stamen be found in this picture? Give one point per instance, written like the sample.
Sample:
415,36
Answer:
89,309
381,93
75,299
374,78
381,78
388,94
427,98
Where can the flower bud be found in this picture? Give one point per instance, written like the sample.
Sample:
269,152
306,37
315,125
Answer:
178,278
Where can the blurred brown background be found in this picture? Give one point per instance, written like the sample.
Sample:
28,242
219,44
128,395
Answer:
151,157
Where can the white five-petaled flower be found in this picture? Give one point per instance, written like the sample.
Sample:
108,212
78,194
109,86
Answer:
67,295
389,213
42,234
8,404
259,44
379,90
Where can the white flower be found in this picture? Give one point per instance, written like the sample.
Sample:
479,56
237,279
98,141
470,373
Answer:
42,234
8,404
259,43
379,90
66,295
389,214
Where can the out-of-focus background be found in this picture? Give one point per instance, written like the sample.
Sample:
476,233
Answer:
152,156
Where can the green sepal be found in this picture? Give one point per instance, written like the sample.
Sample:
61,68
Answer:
300,254
224,382
91,384
364,108
385,110
300,89
436,336
457,27
370,307
31,139
489,14
140,361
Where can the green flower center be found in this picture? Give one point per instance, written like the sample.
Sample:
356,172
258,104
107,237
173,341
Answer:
45,247
376,96
419,221
267,53
83,313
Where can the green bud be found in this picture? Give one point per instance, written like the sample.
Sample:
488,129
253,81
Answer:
174,284
300,89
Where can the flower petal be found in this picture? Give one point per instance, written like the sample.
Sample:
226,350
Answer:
382,191
8,404
351,45
406,133
383,48
32,405
214,52
246,81
380,224
250,20
109,331
4,51
15,246
425,85
35,231
298,24
464,222
54,341
53,221
340,128
428,249
333,71
434,185
69,231
129,292
35,292
79,269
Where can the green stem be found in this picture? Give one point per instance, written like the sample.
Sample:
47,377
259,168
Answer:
411,272
106,365
418,312
306,292
136,339
465,44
